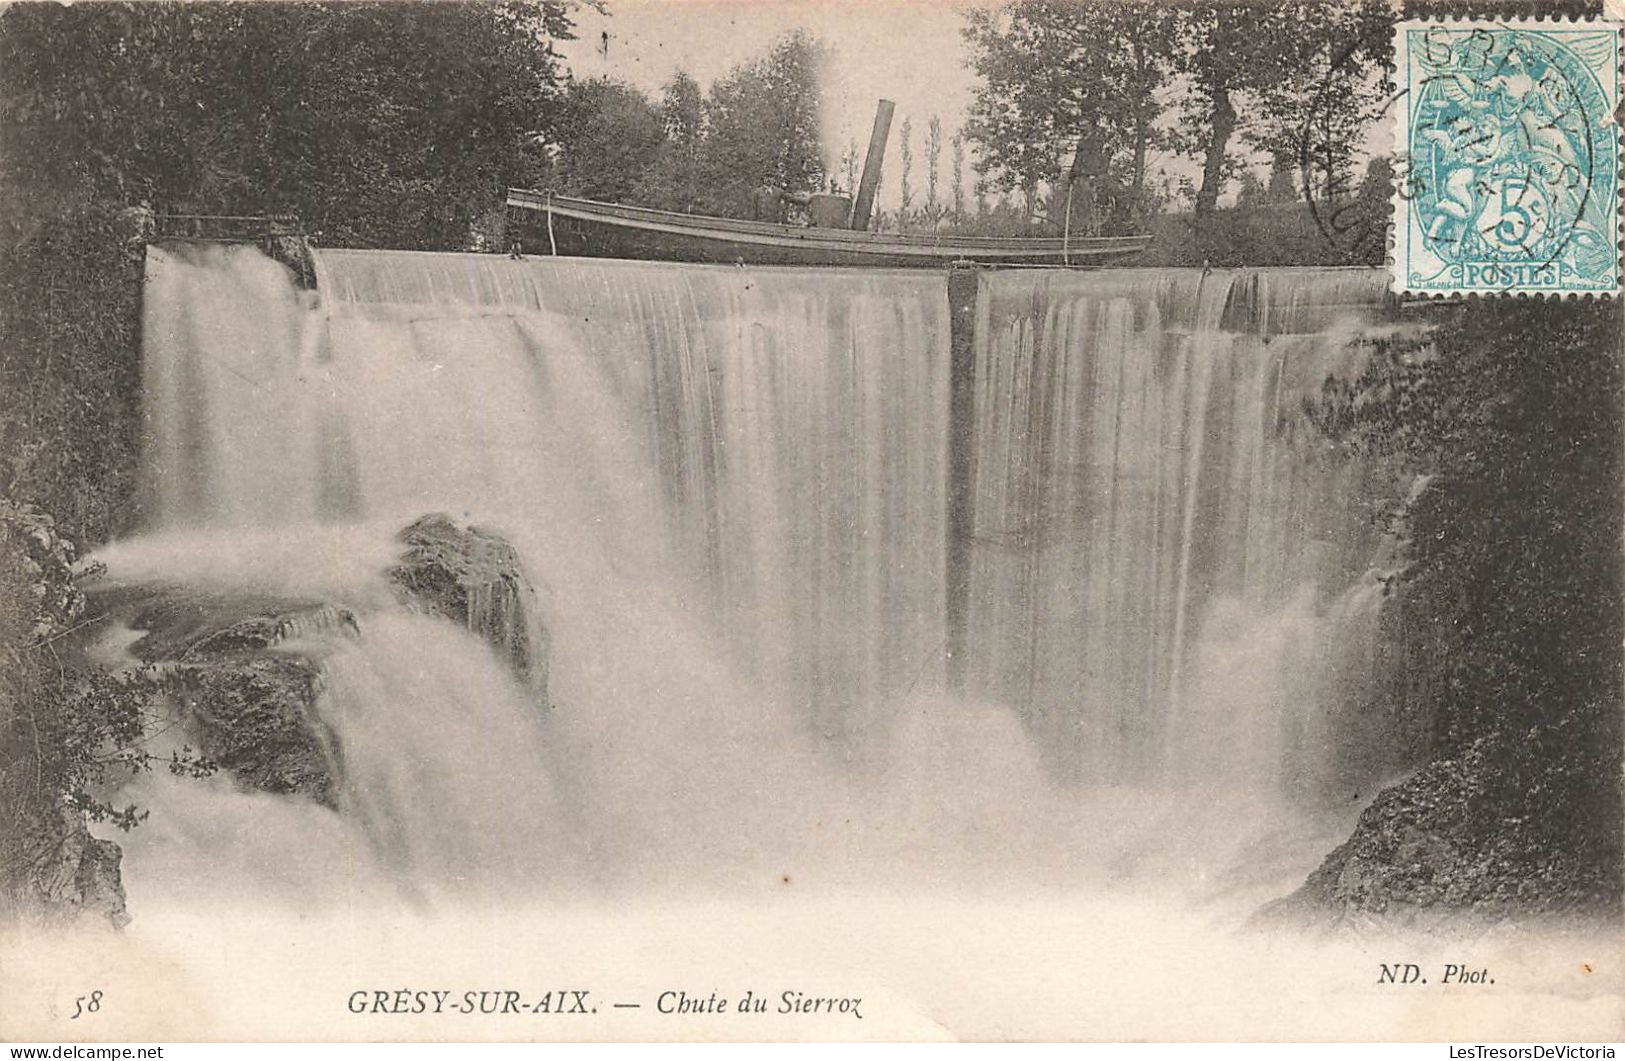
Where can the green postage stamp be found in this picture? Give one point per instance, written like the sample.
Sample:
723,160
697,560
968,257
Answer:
1507,158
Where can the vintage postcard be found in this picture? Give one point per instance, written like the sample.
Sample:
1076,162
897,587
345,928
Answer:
728,520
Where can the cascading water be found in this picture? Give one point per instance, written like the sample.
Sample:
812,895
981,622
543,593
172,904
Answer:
985,681
732,488
779,436
1157,555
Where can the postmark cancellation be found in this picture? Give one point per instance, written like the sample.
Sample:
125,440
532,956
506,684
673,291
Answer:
1507,158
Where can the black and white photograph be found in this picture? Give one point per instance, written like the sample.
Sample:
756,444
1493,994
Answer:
811,520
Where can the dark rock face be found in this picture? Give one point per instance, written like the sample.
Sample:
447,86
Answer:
1462,843
76,875
472,577
246,697
245,694
253,709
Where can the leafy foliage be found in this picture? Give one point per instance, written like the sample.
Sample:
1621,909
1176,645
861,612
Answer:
675,180
1056,75
612,138
68,730
1235,50
69,371
1314,117
698,153
762,128
1096,80
959,175
1514,543
379,124
905,173
933,162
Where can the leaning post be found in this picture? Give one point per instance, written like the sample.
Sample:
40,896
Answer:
869,183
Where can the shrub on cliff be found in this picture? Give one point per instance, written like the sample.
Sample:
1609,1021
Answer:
67,729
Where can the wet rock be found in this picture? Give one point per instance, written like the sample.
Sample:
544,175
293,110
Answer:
473,577
74,875
1465,841
245,669
244,672
255,719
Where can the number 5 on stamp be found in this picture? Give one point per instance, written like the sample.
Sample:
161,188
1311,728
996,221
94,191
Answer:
1510,147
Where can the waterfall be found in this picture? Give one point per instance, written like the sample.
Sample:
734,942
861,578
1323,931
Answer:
732,487
778,435
1159,550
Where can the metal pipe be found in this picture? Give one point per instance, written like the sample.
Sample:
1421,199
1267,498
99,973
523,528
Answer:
870,183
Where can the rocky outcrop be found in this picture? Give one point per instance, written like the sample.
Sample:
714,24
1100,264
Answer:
83,874
473,577
75,875
1465,841
252,703
245,670
244,673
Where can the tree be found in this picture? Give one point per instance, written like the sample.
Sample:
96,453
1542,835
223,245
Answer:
1281,188
1249,67
1314,118
380,124
1363,224
682,109
763,127
674,181
68,731
1056,74
933,161
905,188
849,167
1089,80
1510,581
959,175
1253,192
611,138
